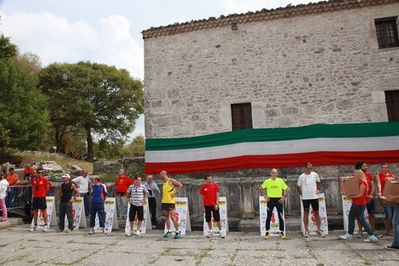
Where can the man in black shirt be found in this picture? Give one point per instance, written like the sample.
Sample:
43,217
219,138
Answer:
66,198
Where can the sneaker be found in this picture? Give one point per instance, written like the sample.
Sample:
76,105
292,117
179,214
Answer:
266,235
67,230
320,233
167,234
222,235
359,235
105,232
210,234
391,248
346,237
282,236
33,229
372,239
138,233
45,228
92,232
177,235
128,233
306,234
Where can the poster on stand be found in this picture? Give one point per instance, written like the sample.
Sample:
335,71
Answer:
111,220
274,223
223,218
144,225
182,215
312,219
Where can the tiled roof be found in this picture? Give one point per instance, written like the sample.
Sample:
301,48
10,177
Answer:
262,15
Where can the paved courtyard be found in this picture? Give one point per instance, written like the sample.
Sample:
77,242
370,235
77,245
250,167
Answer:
20,247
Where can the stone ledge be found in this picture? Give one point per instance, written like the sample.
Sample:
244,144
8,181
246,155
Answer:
11,222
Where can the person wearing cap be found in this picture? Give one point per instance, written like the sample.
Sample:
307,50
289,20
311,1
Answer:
66,198
40,187
98,193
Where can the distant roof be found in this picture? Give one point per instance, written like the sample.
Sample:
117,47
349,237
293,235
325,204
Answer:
262,15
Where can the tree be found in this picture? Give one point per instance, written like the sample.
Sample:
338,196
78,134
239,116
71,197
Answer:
23,115
102,100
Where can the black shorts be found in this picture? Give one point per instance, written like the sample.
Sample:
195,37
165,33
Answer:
209,211
313,202
39,203
136,210
168,206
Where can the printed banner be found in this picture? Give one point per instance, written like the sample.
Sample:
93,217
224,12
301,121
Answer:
50,202
223,218
312,219
144,224
346,207
111,220
274,223
78,214
183,217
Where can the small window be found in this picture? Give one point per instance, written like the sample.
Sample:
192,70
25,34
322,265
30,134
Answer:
387,32
241,116
392,101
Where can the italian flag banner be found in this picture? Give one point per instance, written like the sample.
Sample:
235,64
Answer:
321,144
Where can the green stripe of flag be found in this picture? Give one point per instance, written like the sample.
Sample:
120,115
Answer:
358,130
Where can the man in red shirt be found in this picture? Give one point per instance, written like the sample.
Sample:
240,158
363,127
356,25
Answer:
210,195
40,187
12,179
122,184
370,204
382,178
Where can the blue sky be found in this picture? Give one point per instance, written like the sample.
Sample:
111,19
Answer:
106,31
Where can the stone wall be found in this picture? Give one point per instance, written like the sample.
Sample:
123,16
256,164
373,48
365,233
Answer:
133,166
320,68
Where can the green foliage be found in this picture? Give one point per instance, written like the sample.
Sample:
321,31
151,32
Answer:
23,115
135,148
7,49
99,99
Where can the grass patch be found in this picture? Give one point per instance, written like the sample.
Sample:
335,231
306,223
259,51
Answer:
234,256
3,245
203,254
164,253
108,177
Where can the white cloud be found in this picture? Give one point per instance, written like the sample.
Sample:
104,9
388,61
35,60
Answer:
56,39
243,6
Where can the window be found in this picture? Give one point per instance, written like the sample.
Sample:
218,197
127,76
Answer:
241,116
392,101
387,32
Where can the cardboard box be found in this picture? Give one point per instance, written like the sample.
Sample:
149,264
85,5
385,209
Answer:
391,188
351,186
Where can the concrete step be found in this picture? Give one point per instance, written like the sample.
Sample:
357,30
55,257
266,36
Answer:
10,222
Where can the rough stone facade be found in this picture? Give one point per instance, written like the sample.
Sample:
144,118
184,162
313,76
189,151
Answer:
300,70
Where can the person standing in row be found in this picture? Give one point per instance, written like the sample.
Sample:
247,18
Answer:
210,197
3,194
309,188
98,195
153,190
40,187
66,198
395,221
383,176
13,180
357,210
275,191
83,181
137,195
122,183
170,188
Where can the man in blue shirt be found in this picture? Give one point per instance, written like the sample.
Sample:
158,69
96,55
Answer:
153,189
98,193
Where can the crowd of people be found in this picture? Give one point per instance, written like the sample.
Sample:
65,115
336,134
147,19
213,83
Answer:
136,194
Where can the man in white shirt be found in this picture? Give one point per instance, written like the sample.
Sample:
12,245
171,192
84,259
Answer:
309,188
83,182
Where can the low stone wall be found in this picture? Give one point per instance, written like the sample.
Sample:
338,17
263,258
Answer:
133,166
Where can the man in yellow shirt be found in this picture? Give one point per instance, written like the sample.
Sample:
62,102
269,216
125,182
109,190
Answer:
170,188
275,191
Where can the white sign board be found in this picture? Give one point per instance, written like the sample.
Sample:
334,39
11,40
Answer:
111,220
183,216
78,214
144,225
346,207
50,202
223,218
312,219
274,223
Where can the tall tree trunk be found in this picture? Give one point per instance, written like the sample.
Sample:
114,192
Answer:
89,138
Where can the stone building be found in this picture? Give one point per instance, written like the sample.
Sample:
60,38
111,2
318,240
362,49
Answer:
334,62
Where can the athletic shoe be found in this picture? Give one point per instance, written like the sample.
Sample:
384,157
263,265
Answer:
391,248
209,235
45,228
92,232
266,235
105,232
177,235
359,235
306,234
167,234
33,229
128,233
67,230
320,233
222,235
372,239
346,237
282,236
138,233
